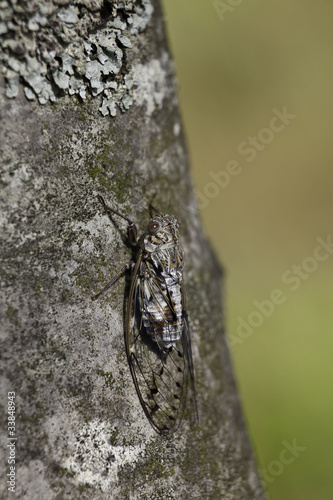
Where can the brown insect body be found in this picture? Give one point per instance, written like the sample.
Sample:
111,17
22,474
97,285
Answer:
157,338
163,264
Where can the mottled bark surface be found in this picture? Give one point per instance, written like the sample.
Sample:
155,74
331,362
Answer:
81,432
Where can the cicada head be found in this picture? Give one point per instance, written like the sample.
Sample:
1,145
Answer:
162,231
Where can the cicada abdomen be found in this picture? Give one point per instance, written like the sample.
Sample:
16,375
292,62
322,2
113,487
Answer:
157,336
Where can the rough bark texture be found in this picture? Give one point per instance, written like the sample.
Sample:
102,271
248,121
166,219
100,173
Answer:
81,432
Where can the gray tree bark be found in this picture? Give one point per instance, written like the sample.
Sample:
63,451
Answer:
81,432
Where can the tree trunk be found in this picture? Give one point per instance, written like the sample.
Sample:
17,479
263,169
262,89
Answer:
80,431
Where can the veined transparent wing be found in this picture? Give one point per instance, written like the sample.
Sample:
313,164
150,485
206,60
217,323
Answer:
160,373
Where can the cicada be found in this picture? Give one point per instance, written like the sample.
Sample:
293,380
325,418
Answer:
157,336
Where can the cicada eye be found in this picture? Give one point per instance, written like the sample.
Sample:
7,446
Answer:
153,227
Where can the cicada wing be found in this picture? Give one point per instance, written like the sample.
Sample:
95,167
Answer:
160,374
188,350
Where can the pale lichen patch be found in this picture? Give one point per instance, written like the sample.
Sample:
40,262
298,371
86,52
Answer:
150,86
96,460
54,49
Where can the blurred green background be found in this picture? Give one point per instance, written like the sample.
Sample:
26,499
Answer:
234,67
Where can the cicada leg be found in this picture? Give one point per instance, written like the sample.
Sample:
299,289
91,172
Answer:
131,230
113,280
132,236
